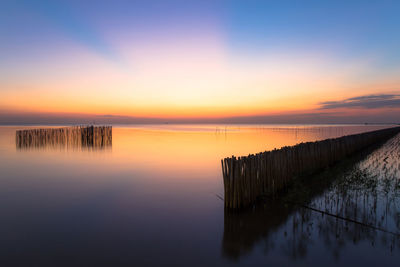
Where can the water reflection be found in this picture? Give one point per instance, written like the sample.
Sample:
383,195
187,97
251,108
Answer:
354,203
75,138
155,194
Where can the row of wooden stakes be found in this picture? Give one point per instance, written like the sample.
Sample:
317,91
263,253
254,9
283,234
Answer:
69,137
267,173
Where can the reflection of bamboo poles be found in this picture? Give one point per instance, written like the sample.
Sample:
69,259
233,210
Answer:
68,137
266,173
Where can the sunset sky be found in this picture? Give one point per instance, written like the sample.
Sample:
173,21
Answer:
205,61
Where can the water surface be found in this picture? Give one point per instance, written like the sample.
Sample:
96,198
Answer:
151,198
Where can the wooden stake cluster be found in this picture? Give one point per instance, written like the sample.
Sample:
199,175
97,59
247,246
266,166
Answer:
68,137
266,173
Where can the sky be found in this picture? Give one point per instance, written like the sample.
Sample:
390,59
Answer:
199,61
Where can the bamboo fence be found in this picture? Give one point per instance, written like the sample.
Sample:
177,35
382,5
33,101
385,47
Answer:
267,173
69,137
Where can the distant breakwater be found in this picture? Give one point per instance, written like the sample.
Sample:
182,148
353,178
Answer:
65,137
267,173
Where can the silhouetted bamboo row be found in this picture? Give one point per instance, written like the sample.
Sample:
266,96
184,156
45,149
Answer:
78,136
266,173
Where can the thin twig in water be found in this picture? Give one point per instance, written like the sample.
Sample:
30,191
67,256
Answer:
347,219
218,196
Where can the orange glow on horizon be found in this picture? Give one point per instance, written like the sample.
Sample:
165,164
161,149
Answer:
186,80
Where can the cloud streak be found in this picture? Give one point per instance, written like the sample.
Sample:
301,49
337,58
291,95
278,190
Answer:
367,101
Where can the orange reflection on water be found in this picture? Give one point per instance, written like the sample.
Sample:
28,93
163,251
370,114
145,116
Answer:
175,151
200,148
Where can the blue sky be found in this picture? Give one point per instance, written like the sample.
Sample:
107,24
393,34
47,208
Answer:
353,27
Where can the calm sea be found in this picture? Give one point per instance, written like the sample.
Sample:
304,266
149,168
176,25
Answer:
152,198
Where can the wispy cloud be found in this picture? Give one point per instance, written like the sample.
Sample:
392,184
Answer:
367,101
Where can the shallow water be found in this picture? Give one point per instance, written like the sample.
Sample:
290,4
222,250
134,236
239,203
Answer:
151,198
